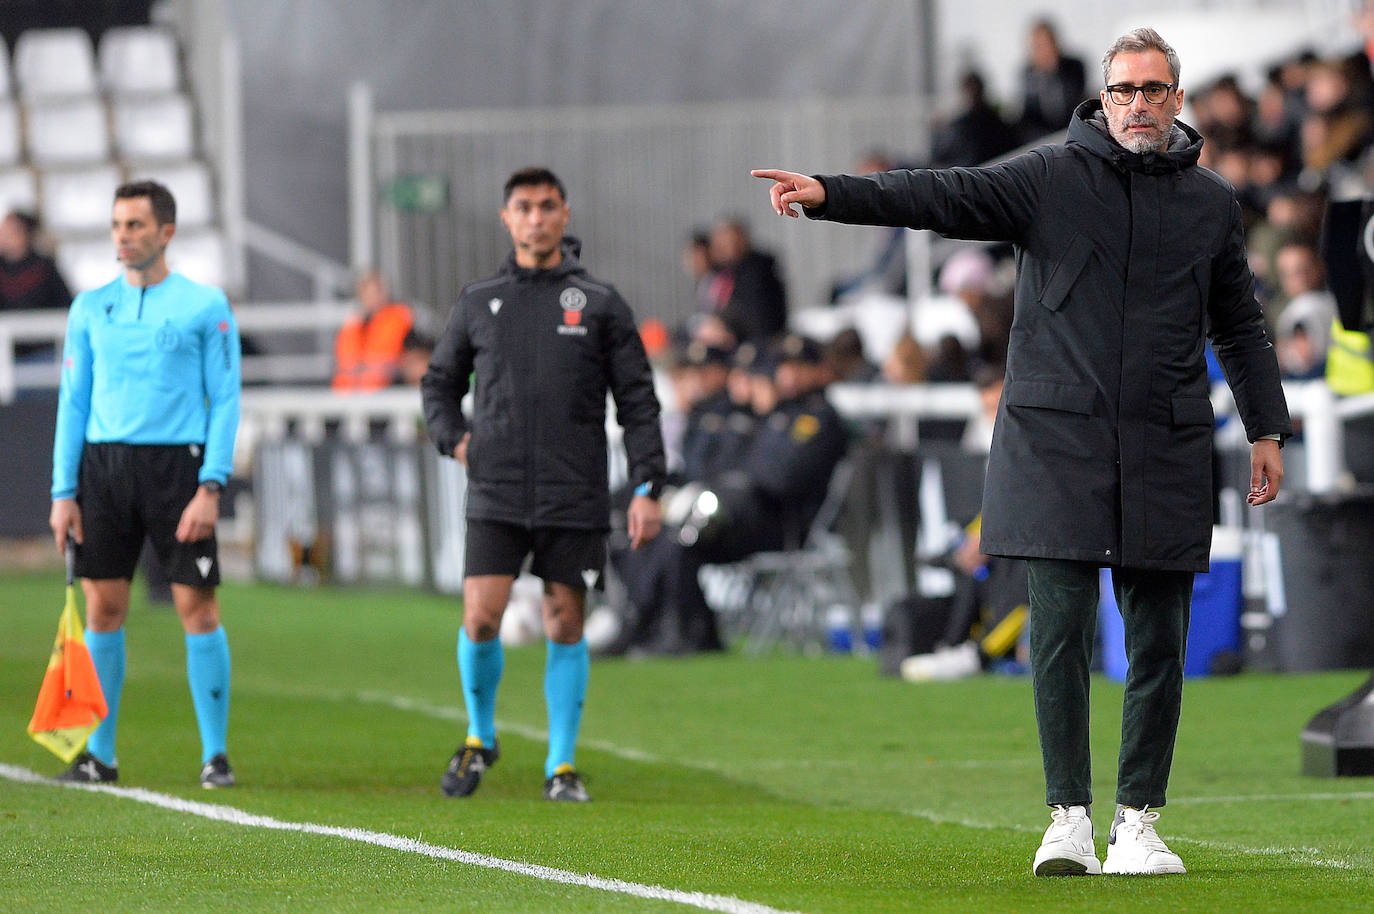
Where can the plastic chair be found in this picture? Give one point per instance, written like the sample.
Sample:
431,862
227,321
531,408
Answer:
153,126
18,189
199,255
86,262
50,62
136,59
79,199
189,183
67,131
11,153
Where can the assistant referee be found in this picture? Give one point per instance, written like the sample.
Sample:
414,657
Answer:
146,418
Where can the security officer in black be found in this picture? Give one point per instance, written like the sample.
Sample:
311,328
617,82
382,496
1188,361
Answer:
768,501
717,428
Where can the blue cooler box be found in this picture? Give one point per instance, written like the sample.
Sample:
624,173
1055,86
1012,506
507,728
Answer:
1215,622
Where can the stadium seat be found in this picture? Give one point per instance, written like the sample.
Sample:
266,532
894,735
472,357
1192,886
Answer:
66,131
18,189
199,254
11,152
153,126
79,199
138,59
4,69
54,62
189,183
86,261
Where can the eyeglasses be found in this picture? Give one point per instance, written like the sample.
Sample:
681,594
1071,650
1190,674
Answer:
1155,93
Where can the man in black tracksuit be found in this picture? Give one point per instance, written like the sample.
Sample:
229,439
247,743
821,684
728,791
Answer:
1128,256
545,343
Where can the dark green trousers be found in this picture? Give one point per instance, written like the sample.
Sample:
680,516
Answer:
1063,624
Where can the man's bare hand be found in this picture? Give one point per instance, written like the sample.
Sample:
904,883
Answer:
65,515
644,519
790,187
460,450
198,520
1266,472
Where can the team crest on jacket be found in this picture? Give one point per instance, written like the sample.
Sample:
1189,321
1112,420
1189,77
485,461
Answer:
572,300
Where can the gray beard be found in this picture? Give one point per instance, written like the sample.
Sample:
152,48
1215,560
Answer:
1142,144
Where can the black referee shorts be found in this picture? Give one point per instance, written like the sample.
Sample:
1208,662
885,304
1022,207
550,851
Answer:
131,491
560,554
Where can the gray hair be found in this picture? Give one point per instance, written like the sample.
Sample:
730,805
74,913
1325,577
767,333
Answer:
1137,40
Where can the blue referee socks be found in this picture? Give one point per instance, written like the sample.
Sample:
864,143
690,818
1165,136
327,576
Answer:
566,670
107,650
480,664
207,670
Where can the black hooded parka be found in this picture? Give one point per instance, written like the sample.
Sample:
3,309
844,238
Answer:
1125,264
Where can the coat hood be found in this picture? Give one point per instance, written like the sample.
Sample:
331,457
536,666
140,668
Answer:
1088,128
572,249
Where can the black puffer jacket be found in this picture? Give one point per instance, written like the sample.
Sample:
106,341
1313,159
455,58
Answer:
1125,263
544,347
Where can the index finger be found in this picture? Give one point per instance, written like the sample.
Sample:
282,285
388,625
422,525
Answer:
772,174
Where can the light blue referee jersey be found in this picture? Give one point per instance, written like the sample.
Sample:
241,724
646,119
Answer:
154,365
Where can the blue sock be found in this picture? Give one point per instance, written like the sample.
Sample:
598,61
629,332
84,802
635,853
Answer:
566,670
480,664
107,650
207,670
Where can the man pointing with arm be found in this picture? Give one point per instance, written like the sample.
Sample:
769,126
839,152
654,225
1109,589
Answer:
1129,256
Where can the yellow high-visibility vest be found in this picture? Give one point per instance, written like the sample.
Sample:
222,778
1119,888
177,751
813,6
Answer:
1349,361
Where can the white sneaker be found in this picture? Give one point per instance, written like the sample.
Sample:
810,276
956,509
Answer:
946,663
1067,849
1134,848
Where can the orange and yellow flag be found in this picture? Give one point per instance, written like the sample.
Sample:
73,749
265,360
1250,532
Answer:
70,702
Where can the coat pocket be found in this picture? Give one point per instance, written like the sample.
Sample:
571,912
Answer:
1192,411
1070,398
1066,272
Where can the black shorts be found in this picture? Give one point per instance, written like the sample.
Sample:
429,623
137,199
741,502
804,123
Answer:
131,491
563,555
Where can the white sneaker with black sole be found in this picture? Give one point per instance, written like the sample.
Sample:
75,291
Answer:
1134,849
1067,849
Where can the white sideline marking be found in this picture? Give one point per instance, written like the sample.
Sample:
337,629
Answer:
722,903
1309,855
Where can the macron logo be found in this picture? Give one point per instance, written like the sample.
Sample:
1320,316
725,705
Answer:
589,576
205,563
494,305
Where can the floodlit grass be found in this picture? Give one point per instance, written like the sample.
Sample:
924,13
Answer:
802,784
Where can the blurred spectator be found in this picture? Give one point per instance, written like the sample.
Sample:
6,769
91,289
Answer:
977,133
978,433
1224,114
416,350
886,274
951,361
696,263
1052,84
29,280
1337,128
845,357
748,300
1302,327
367,350
906,363
971,277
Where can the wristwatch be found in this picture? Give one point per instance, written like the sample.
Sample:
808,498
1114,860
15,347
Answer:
213,486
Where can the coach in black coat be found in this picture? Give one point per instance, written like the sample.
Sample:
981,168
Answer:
1129,255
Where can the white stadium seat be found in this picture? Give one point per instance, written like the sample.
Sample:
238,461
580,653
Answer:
138,59
189,183
54,62
87,262
10,150
70,130
153,126
18,189
4,69
199,255
79,199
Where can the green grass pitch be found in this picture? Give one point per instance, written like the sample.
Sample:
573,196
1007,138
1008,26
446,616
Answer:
784,782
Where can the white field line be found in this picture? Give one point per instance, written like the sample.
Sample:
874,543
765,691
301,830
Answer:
1309,855
721,903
